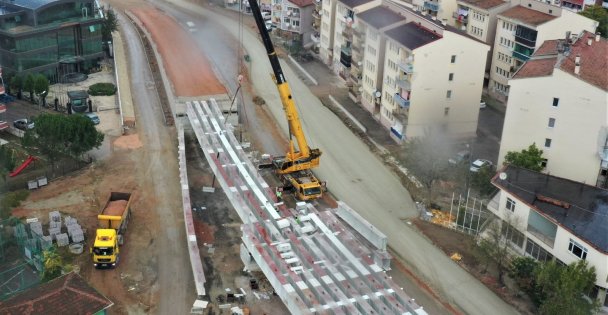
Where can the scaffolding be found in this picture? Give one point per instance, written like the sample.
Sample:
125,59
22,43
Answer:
21,257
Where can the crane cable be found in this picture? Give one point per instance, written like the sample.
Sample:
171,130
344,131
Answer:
239,76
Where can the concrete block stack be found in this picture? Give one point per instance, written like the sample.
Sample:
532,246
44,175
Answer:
36,228
46,242
76,233
54,216
54,231
62,239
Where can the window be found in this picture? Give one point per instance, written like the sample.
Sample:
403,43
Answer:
547,143
577,249
510,205
551,122
446,111
453,59
512,234
451,77
373,35
535,251
448,94
555,101
371,50
543,163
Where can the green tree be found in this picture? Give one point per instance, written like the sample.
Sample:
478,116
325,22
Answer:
597,13
564,288
7,160
17,83
531,158
481,181
58,135
53,264
28,85
109,25
427,158
41,87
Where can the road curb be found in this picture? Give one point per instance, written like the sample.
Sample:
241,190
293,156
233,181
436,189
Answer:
351,117
308,75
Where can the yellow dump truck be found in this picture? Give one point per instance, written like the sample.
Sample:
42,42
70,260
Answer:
112,226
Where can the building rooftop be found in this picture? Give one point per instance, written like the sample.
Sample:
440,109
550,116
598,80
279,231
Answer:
412,36
483,4
27,4
579,208
380,17
593,63
527,16
302,3
354,3
68,294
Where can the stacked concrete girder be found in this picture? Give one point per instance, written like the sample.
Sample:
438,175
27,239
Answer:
315,264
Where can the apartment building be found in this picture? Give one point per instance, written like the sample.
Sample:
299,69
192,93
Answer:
315,37
578,5
553,218
51,37
441,10
369,70
559,100
346,33
478,19
433,78
328,23
521,30
294,20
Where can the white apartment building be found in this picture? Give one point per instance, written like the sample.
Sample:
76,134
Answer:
521,30
295,19
370,68
559,100
315,37
554,218
433,78
344,33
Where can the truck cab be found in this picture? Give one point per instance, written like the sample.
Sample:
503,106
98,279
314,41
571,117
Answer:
105,250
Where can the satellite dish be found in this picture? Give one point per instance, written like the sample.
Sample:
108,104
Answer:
502,175
349,20
378,94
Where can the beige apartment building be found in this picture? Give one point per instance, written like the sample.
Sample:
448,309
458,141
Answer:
295,19
441,10
370,69
559,100
326,30
520,30
433,78
347,36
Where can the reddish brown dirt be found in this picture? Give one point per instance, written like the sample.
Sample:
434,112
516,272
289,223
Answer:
184,63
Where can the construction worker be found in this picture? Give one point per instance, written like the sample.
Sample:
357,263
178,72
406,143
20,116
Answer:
279,194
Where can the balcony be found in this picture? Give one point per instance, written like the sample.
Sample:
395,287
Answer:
433,6
315,37
520,56
543,229
345,56
347,32
316,14
404,83
403,103
407,67
525,41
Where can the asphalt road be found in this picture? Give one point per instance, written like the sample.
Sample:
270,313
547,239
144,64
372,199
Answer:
158,165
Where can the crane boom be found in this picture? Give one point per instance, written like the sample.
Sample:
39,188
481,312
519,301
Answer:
306,157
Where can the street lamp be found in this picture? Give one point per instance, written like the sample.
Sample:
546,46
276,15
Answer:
40,99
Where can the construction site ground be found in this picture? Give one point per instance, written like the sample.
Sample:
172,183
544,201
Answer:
454,242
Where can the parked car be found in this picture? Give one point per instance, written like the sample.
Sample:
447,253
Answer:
478,164
460,157
23,124
93,117
482,104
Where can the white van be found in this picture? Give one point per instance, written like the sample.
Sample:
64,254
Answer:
266,15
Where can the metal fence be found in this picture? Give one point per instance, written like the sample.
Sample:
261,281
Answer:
50,172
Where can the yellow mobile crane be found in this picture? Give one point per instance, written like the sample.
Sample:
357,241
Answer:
294,167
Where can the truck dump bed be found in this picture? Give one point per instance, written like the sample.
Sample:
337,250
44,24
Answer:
115,211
